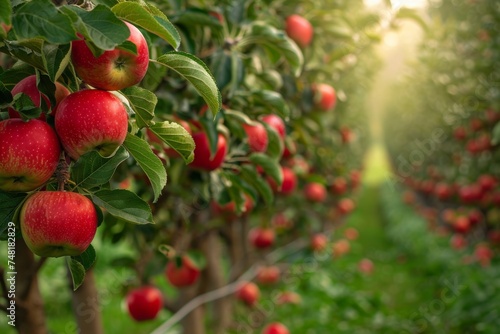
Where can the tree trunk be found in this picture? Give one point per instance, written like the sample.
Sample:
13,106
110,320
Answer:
214,276
194,322
30,316
86,306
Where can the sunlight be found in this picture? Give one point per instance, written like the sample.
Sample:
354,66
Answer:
396,4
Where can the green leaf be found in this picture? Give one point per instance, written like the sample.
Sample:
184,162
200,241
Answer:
5,11
175,136
5,96
92,170
148,161
495,140
270,166
150,19
125,205
87,258
100,26
275,143
212,133
77,271
197,73
143,102
9,203
251,176
276,41
411,14
24,105
29,51
274,101
41,19
55,59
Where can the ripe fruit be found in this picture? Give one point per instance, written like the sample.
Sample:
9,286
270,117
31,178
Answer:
228,210
29,154
325,97
184,275
462,224
341,247
289,182
483,254
345,206
288,297
91,120
346,134
202,159
319,242
339,185
281,222
276,123
275,328
315,192
470,193
114,69
28,87
299,30
351,233
443,191
268,275
58,223
248,293
366,266
458,242
144,303
261,237
257,137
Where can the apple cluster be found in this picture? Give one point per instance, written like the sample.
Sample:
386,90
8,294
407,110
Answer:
34,152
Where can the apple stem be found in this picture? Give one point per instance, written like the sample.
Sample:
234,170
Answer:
62,173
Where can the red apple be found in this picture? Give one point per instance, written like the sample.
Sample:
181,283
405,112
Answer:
29,154
202,155
319,241
483,254
28,87
261,237
325,97
470,193
280,222
268,275
115,69
460,133
299,30
341,247
458,242
228,209
351,233
288,297
184,275
91,120
443,191
275,328
487,182
248,293
339,185
355,177
276,123
58,223
144,303
315,192
289,182
462,224
366,266
257,137
345,206
346,134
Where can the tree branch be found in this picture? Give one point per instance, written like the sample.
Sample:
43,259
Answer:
231,288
